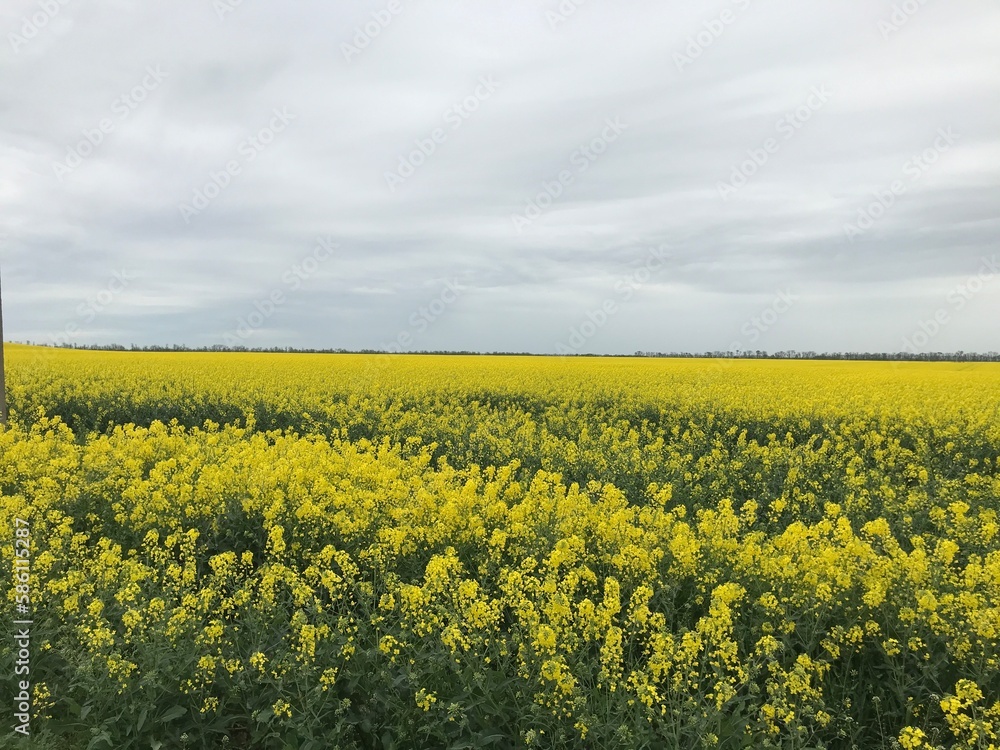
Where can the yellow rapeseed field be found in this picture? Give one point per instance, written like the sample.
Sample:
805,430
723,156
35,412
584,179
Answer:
299,551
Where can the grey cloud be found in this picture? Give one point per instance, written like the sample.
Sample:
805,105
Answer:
658,184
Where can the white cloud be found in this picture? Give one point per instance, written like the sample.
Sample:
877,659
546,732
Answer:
655,185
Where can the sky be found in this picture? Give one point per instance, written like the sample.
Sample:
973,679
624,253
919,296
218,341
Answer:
551,177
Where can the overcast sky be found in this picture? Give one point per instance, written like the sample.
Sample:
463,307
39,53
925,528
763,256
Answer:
526,176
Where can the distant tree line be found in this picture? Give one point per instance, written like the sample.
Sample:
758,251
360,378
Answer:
959,356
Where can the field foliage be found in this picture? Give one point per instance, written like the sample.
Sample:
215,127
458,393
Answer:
296,551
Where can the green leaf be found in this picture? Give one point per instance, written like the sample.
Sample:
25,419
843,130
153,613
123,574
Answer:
291,740
173,713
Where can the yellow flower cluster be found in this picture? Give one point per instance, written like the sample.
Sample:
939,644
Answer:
767,554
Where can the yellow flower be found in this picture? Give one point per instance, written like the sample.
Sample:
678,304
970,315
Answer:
258,660
425,699
912,738
282,708
545,639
